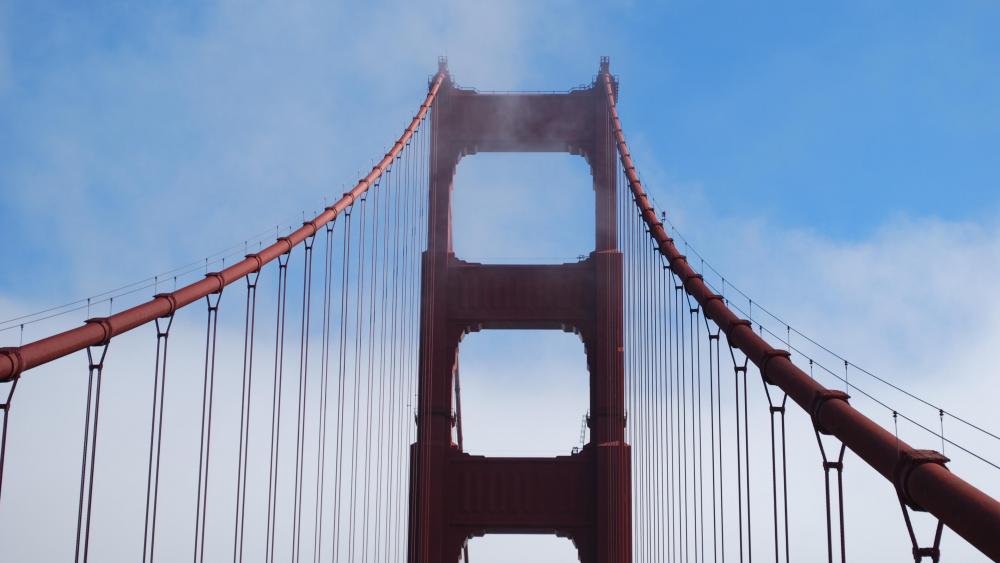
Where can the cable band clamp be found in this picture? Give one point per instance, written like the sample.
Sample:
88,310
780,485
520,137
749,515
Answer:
768,356
909,461
16,361
819,400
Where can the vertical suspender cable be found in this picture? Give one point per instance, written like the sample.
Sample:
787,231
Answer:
664,398
370,344
345,267
359,299
5,409
838,466
678,463
409,324
387,381
393,410
718,422
701,437
778,409
626,373
244,445
324,393
89,458
392,189
740,456
642,423
303,396
163,325
416,236
682,376
715,440
660,417
400,327
746,459
700,429
657,489
274,456
207,403
695,437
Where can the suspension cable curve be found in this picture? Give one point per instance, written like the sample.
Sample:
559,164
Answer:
14,361
918,476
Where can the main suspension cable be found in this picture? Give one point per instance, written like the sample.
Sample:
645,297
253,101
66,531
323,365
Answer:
707,266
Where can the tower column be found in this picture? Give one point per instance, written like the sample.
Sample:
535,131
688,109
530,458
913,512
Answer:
585,496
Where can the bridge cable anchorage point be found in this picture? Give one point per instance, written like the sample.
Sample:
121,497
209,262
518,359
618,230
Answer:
768,356
13,354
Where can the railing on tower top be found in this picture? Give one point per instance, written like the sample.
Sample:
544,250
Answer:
16,360
919,476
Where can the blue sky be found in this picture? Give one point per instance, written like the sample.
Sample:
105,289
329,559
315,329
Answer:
837,161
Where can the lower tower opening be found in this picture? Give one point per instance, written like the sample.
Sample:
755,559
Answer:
524,393
522,548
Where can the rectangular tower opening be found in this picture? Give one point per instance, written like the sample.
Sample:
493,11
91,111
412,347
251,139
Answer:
527,208
524,393
524,548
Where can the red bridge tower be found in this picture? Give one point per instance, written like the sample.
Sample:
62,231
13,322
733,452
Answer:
586,496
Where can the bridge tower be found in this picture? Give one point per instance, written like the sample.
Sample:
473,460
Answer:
585,496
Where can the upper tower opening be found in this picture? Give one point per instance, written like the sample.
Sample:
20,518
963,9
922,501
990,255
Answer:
526,208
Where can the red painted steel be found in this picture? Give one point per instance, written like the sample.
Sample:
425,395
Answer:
14,361
585,496
922,479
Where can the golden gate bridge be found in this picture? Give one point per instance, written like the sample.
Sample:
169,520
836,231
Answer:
358,455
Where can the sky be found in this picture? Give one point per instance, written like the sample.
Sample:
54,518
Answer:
836,162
